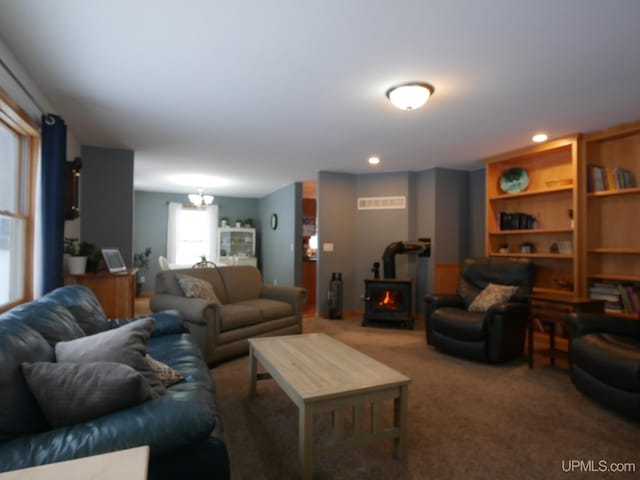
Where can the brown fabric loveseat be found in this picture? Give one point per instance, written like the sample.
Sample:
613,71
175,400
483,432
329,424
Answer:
247,308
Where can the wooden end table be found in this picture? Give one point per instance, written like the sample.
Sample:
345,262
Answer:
551,310
321,374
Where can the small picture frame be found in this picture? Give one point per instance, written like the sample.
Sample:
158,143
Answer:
113,260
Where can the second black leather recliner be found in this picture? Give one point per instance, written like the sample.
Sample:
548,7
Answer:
495,335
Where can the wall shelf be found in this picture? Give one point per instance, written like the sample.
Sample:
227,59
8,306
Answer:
610,193
555,256
531,193
615,251
532,231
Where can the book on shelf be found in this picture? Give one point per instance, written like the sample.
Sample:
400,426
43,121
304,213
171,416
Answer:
516,221
609,178
618,297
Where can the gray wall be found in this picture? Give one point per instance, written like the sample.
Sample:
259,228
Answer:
376,229
106,198
452,215
336,225
281,249
438,202
426,228
151,217
477,206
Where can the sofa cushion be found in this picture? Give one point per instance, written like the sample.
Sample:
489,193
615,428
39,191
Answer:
241,283
193,287
459,324
270,309
70,393
54,322
88,320
19,343
236,315
127,345
75,295
167,281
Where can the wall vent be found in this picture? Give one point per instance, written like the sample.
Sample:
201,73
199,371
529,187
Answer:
382,203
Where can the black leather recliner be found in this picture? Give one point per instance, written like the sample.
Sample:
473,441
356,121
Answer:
604,352
494,336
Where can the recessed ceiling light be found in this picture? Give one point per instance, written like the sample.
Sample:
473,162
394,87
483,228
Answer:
374,160
199,181
410,96
539,137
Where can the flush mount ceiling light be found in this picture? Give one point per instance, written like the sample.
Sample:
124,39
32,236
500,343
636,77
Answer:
374,160
410,96
198,199
539,137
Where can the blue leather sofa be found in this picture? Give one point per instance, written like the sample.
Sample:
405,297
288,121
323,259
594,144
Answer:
182,427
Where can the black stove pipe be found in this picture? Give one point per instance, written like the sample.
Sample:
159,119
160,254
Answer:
394,248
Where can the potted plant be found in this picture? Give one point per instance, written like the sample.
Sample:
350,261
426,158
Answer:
76,263
248,222
141,262
224,221
238,222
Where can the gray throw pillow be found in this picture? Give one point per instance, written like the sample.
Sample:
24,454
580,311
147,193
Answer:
71,393
89,322
126,344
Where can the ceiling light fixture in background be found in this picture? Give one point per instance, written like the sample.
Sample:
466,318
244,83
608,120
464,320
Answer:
198,199
410,96
539,137
374,160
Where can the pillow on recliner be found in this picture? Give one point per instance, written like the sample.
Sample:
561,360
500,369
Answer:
70,393
193,287
493,294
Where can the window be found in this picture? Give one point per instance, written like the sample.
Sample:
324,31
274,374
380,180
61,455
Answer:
191,234
19,141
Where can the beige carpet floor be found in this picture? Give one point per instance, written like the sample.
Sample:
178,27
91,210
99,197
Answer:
466,420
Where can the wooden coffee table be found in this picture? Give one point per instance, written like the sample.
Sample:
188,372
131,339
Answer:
320,375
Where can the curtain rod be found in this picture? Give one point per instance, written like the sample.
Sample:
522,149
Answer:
24,89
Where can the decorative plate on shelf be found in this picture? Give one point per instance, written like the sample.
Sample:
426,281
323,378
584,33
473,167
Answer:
514,180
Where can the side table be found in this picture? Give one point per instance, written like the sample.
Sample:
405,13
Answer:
551,310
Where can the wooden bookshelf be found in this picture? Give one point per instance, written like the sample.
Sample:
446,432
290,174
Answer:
552,192
612,235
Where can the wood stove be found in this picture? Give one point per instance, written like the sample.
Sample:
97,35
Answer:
388,300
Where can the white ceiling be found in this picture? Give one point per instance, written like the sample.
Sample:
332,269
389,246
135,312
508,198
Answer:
264,93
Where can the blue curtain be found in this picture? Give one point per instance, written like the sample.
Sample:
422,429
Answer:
53,158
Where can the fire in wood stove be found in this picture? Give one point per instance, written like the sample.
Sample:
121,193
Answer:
388,300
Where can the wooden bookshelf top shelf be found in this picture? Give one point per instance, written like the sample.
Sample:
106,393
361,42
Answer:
531,193
615,313
532,231
623,251
559,256
619,278
609,193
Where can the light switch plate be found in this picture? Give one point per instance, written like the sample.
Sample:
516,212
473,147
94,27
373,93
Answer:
327,247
